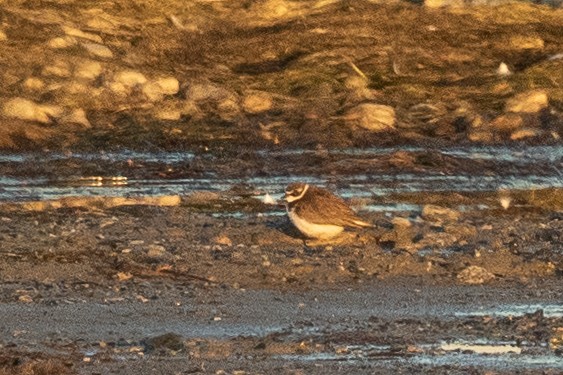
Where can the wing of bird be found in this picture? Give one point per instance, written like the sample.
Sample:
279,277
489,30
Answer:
323,207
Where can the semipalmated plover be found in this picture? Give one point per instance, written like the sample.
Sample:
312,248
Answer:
318,213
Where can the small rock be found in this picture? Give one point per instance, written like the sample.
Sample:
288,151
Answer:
505,201
142,299
475,275
77,116
507,122
156,251
528,102
503,70
526,42
168,114
228,109
124,81
98,50
274,9
443,3
268,199
130,78
72,32
25,109
257,102
556,340
3,36
25,298
165,342
155,90
401,222
74,88
356,82
374,117
223,240
62,42
124,276
206,91
438,213
482,136
524,133
88,70
33,84
58,69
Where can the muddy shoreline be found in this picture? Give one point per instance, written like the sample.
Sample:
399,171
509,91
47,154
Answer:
246,293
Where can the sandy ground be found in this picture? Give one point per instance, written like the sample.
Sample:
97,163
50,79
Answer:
95,289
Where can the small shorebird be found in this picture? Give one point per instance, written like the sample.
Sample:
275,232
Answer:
318,213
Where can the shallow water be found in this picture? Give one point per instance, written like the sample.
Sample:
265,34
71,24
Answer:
481,352
42,187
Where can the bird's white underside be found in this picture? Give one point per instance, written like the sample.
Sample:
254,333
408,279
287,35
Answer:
312,230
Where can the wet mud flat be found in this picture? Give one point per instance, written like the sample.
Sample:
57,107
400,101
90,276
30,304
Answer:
219,283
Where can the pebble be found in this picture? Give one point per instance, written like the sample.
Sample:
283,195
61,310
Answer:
98,50
124,81
73,32
156,89
33,84
206,91
62,42
356,83
401,222
167,341
60,69
228,109
223,240
124,276
503,70
76,87
268,199
257,102
528,102
25,109
25,298
77,116
167,114
130,78
505,202
524,133
475,275
156,251
507,122
3,36
439,213
88,69
374,117
479,135
443,3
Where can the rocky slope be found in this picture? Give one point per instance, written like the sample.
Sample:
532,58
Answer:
177,74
